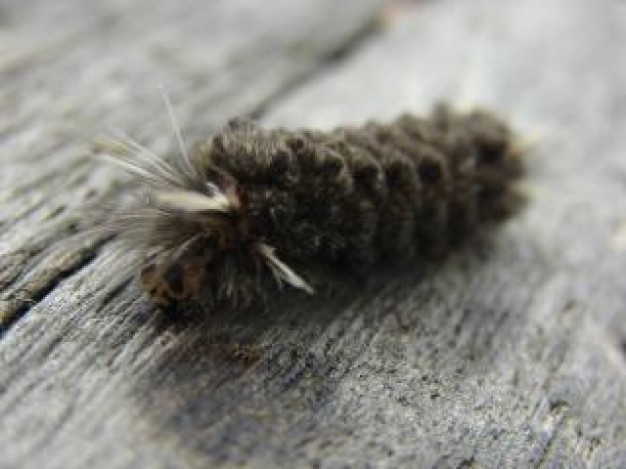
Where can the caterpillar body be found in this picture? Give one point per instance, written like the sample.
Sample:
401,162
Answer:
250,210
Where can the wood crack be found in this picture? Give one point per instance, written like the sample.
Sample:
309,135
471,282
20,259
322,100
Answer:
30,291
332,58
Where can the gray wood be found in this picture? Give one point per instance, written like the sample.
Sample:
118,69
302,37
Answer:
509,354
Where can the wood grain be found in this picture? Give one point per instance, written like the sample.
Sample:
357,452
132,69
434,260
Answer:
508,354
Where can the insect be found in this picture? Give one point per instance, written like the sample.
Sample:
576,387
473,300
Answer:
250,210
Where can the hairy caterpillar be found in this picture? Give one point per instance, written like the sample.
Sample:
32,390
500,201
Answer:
250,210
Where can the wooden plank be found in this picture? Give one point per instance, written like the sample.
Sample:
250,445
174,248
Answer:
510,354
514,357
71,71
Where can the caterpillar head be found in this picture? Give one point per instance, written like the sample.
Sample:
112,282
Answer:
198,238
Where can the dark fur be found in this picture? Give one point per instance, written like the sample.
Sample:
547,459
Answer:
338,202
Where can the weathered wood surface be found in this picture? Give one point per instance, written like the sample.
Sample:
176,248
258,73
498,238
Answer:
510,354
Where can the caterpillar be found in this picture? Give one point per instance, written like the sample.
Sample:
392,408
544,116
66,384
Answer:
250,210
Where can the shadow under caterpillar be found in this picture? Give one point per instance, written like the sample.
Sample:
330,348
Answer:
250,210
